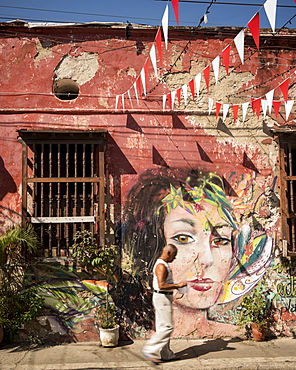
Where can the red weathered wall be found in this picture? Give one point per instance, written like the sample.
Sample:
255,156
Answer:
143,136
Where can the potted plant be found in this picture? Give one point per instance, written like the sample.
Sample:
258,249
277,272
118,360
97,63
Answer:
255,311
100,261
106,320
18,304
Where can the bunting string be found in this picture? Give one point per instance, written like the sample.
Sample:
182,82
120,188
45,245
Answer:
194,85
157,41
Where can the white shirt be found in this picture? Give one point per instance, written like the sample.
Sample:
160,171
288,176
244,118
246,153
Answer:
169,279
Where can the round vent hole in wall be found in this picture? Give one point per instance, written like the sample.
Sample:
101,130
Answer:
66,89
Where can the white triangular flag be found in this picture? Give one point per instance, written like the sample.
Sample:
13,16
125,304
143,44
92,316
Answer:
239,41
136,92
211,103
116,101
269,97
270,10
173,95
142,74
163,101
185,93
216,64
130,98
225,111
122,100
264,107
288,106
197,79
153,59
165,24
244,109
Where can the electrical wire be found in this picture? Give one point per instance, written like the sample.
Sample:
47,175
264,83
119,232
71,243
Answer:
227,3
131,47
162,80
77,13
3,16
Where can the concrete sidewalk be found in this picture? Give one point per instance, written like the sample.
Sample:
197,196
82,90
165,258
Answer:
196,354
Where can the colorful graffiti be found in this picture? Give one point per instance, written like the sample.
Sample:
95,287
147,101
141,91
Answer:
224,250
72,297
222,254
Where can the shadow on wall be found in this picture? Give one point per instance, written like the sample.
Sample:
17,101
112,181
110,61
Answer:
117,165
7,184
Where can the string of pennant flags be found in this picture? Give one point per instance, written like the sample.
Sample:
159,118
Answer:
256,104
139,87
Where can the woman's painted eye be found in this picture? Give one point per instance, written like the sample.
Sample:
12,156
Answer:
220,242
182,238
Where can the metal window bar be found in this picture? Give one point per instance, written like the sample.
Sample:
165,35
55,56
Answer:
68,200
66,181
291,197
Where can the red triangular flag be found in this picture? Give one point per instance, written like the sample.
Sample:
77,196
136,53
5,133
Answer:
254,26
139,86
179,95
218,106
253,105
284,87
158,44
169,100
225,56
235,111
206,73
257,106
175,4
191,86
276,107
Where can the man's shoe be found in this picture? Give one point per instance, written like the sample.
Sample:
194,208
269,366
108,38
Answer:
155,361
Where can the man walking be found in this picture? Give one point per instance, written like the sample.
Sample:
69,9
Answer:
157,349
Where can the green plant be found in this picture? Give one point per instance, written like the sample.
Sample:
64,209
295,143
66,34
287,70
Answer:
17,304
255,307
98,259
16,242
106,313
94,258
18,309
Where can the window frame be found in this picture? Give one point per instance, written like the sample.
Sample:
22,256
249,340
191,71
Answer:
97,140
287,163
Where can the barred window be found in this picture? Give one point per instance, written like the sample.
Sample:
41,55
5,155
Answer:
63,186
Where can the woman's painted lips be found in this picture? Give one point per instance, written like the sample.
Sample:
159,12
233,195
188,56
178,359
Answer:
201,285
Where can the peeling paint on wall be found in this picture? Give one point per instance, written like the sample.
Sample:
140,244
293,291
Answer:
81,68
42,52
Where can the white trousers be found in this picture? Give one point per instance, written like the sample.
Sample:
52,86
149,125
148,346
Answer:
158,346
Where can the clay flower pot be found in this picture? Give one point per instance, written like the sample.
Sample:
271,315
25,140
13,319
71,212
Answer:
258,331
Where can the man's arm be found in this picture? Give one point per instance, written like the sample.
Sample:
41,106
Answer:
161,273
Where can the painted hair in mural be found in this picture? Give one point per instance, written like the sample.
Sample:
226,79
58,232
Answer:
220,257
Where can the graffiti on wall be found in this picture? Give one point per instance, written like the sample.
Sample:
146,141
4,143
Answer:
224,249
221,254
286,271
285,288
70,296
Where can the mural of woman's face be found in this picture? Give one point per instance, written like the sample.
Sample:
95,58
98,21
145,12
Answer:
204,254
